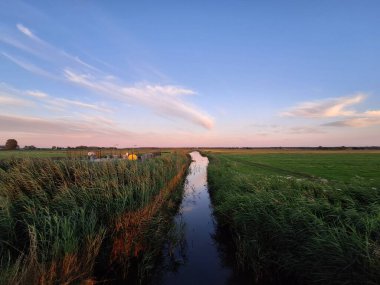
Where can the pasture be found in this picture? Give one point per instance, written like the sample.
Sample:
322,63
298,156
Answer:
341,167
308,217
6,154
73,153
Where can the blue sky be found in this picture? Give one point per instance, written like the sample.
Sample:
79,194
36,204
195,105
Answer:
190,73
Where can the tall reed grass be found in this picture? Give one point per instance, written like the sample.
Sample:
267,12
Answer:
309,232
57,215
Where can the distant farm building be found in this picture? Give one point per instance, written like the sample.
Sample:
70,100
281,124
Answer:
146,156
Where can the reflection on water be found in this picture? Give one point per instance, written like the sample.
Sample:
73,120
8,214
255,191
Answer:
196,257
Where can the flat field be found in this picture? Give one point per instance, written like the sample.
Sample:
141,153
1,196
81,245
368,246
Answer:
47,153
312,217
343,167
4,154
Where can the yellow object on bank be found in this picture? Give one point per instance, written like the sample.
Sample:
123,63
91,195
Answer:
132,157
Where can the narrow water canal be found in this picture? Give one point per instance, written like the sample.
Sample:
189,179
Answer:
199,259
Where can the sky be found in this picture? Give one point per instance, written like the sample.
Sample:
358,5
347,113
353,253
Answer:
190,73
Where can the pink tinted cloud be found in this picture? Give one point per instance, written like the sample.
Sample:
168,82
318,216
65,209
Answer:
163,100
332,107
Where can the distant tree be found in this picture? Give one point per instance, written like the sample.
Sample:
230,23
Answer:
53,147
29,147
81,147
11,144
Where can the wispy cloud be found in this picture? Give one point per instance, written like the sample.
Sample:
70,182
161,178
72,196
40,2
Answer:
14,96
305,130
58,126
19,45
78,60
45,50
29,66
87,130
101,120
164,100
273,129
66,102
355,122
26,31
372,113
169,90
37,93
6,100
332,107
338,108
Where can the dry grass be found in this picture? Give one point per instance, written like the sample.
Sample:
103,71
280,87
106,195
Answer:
130,226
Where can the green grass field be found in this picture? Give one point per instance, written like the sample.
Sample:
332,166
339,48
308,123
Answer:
47,153
5,154
313,218
336,167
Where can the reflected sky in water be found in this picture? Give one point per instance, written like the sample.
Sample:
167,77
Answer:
199,257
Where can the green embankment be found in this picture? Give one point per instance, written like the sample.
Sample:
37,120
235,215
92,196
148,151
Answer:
61,218
312,219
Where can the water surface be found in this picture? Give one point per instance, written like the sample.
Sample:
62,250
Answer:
198,258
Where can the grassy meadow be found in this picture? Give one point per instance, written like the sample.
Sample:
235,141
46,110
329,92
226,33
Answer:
8,154
312,217
62,219
73,153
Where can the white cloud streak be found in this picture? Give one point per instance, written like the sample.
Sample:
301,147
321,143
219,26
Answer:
36,93
6,100
372,113
12,96
169,90
66,102
365,119
333,107
164,100
26,31
305,130
355,122
45,50
29,66
17,44
337,107
35,125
